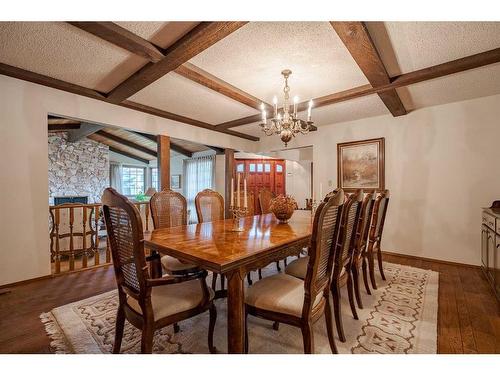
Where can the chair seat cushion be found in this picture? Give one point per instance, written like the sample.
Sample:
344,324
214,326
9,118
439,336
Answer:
171,264
279,293
298,268
174,298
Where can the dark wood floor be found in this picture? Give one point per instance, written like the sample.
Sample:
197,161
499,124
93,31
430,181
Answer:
468,317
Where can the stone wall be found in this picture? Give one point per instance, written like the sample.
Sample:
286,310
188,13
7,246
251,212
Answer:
80,168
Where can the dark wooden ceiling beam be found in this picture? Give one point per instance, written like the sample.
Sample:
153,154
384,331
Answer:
62,127
129,155
126,142
212,82
122,37
360,45
181,150
62,121
40,79
436,71
218,150
195,41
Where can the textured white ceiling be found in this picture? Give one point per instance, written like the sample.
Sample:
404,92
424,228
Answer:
408,46
177,94
253,57
162,34
62,51
476,83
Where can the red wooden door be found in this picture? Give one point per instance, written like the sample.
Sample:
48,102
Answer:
261,174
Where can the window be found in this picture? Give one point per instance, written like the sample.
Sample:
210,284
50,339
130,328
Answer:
240,168
279,168
267,168
132,181
154,178
260,167
199,175
252,168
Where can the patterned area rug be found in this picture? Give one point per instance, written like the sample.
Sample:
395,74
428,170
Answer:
399,317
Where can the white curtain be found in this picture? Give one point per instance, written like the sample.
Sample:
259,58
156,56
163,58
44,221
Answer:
115,177
199,174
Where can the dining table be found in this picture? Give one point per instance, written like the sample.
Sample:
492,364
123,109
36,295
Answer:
233,249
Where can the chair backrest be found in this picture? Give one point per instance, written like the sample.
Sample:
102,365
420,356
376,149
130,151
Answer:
363,226
379,212
347,237
209,206
124,227
265,196
324,240
168,209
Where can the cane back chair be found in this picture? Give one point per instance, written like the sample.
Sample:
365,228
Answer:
148,303
375,236
361,241
169,209
343,258
210,207
289,300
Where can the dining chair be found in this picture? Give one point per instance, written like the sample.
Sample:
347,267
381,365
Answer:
343,258
300,303
298,267
361,241
265,196
148,303
210,207
375,235
169,209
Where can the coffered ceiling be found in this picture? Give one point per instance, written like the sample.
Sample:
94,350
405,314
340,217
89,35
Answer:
215,74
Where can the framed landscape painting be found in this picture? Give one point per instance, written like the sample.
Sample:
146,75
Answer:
361,165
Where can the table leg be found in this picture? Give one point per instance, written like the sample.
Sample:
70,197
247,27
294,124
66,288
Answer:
236,312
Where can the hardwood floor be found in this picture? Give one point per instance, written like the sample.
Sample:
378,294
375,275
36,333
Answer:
468,316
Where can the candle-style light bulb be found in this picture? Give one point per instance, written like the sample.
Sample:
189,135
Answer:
275,103
263,109
309,110
295,102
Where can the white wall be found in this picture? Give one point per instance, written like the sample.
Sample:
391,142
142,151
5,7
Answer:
442,166
24,249
298,181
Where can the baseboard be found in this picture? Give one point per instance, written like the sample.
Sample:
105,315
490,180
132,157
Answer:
431,260
51,276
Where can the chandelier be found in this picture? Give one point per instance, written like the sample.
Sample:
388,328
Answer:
285,122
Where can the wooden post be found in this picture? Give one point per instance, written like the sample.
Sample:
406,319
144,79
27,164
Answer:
163,143
229,171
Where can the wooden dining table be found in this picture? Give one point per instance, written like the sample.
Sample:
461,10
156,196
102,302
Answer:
216,247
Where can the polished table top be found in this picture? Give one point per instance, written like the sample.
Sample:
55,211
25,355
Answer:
214,246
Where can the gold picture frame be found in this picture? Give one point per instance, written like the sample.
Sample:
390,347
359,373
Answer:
361,165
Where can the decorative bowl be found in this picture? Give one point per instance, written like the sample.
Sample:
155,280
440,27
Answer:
282,207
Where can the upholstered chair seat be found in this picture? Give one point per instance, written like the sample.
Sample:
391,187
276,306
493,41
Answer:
173,265
173,299
298,268
280,293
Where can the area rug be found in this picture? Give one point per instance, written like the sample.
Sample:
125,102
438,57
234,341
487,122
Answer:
399,317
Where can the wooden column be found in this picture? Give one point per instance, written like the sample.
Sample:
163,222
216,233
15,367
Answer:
229,156
163,144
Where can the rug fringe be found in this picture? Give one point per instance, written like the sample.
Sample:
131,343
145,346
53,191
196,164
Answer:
57,339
